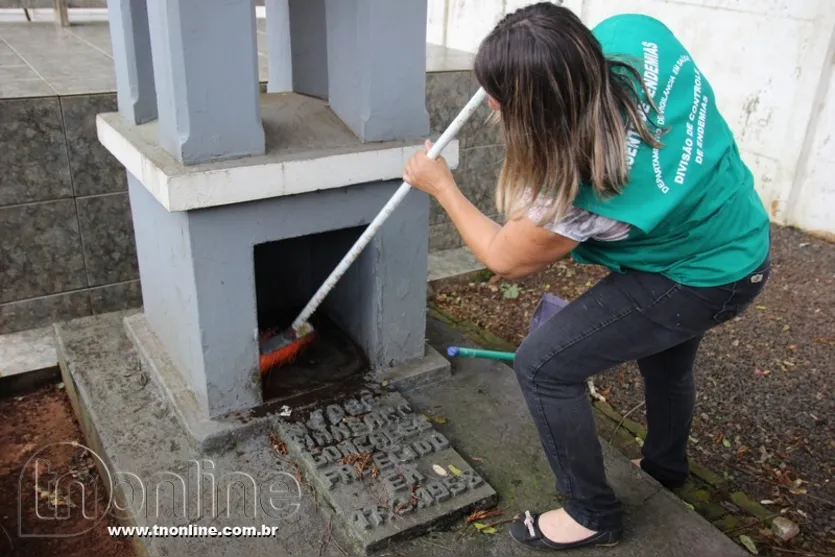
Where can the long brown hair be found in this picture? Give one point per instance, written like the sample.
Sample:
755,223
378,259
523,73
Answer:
564,107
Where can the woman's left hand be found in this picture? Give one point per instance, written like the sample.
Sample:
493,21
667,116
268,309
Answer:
425,174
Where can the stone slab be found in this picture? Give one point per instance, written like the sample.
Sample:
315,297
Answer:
31,350
452,263
397,492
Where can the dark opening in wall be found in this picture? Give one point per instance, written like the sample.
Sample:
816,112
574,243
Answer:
287,274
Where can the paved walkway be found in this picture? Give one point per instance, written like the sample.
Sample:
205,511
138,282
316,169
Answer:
486,418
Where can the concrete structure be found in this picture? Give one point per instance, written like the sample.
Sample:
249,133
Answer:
77,255
205,60
770,63
241,210
308,45
376,67
132,43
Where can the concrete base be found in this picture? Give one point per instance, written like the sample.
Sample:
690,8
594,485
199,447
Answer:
158,479
204,434
216,434
432,368
130,425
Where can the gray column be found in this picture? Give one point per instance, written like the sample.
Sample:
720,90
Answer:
206,69
309,45
131,41
377,67
278,46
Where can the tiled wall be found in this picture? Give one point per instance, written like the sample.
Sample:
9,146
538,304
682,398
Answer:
481,152
66,237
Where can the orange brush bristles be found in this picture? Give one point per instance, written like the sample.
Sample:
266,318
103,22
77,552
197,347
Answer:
286,354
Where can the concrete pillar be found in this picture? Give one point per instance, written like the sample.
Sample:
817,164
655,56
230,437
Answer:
377,67
309,46
206,70
131,41
278,46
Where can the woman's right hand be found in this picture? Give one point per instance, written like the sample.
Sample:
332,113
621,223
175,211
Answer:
425,174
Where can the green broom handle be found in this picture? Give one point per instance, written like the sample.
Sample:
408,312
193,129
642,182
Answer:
454,351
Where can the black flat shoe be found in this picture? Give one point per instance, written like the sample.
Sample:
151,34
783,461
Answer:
526,531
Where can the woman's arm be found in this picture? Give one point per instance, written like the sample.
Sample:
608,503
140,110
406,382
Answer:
514,250
517,249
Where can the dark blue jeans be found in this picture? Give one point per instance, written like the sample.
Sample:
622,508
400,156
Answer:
633,316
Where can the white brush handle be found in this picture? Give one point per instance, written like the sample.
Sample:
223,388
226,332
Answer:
453,129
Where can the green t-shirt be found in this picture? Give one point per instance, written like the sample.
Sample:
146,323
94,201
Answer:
694,213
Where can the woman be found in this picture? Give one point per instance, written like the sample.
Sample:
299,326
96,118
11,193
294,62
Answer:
617,155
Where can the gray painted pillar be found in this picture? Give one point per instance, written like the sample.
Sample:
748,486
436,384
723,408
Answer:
131,41
206,71
377,67
278,46
309,46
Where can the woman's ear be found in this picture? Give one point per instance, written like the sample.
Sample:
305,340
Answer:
492,103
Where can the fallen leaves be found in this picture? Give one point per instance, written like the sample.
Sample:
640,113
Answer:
360,461
435,419
477,517
749,544
481,515
484,528
510,291
53,498
278,445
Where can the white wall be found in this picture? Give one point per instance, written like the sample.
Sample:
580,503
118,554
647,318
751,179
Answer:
770,63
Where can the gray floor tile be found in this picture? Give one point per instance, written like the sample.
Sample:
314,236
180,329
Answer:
98,35
23,88
16,72
91,86
8,56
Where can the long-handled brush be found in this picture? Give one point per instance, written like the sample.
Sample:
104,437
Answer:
547,307
284,347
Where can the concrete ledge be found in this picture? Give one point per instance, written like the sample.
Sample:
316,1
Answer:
205,434
308,149
432,368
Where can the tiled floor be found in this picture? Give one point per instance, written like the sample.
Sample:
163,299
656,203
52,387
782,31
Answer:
38,59
42,59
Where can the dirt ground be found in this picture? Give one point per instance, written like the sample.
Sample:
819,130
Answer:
765,415
37,432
